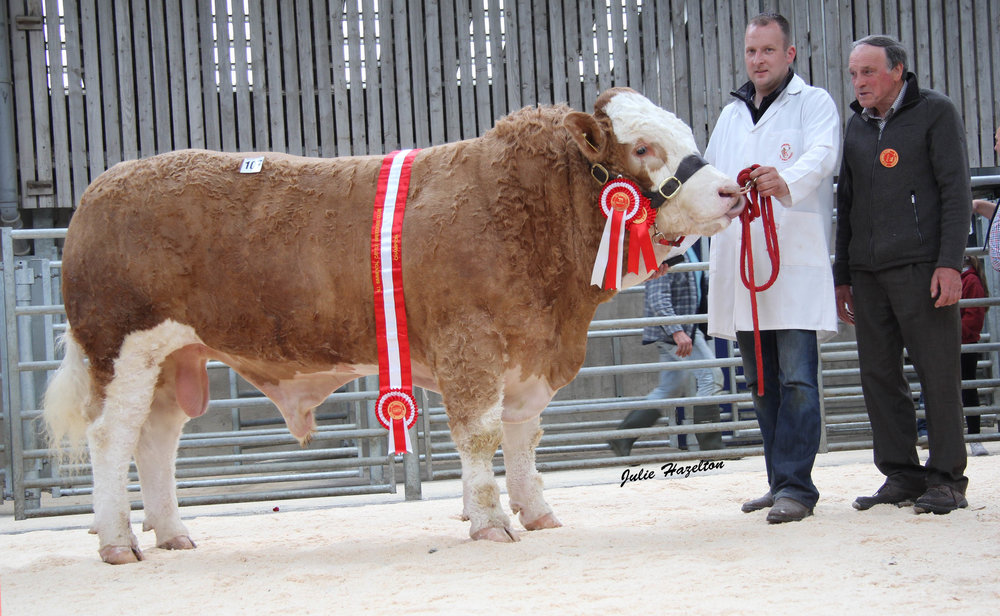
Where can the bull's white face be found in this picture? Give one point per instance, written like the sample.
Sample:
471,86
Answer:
658,141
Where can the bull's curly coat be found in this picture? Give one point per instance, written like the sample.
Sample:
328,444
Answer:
177,259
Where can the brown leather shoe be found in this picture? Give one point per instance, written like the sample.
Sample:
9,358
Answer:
888,494
758,503
788,510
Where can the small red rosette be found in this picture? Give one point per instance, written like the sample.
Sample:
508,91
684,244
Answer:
622,202
396,410
640,246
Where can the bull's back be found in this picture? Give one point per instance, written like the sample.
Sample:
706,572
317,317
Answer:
253,262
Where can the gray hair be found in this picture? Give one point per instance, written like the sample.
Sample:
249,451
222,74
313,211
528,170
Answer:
895,53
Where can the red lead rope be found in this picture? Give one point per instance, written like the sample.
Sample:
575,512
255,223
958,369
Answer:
757,206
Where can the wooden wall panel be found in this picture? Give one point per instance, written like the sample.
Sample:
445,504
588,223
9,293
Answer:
126,78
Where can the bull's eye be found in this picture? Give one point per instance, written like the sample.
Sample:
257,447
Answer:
641,150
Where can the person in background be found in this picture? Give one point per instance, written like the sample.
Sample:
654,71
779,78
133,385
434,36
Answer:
973,287
973,315
792,130
988,209
669,295
903,210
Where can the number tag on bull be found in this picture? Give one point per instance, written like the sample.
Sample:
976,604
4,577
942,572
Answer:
252,165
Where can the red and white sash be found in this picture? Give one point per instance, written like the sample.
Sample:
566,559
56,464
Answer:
396,408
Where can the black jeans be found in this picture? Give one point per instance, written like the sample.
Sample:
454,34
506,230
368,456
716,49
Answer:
893,309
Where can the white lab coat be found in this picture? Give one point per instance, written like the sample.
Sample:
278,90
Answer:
799,135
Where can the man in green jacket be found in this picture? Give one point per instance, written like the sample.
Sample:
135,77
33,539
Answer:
903,210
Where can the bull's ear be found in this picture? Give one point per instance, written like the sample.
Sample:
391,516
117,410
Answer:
587,133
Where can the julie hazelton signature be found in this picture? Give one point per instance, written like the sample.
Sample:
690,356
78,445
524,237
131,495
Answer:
670,469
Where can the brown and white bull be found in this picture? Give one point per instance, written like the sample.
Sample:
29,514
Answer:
177,259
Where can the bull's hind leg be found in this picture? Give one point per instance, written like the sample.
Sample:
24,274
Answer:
524,483
112,439
156,454
114,435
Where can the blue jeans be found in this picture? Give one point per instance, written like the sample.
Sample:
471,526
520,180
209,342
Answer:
788,412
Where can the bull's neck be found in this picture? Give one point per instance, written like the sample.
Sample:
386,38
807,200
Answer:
554,211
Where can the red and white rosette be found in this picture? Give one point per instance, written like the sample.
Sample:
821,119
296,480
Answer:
397,411
621,200
396,408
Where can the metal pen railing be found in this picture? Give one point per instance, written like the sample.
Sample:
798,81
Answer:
256,459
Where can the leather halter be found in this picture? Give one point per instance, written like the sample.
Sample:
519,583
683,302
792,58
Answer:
668,188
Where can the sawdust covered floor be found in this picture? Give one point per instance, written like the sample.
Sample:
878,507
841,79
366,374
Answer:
661,545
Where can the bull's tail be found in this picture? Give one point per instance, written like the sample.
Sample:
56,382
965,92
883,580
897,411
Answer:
66,402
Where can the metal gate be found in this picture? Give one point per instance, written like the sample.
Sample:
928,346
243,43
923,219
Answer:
98,81
240,450
347,454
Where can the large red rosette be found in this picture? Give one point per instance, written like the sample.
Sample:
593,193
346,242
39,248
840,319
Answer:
625,207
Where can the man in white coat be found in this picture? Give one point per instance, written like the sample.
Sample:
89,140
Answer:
792,130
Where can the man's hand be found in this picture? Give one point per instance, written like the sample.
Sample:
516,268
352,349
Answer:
683,342
845,303
769,183
946,286
662,271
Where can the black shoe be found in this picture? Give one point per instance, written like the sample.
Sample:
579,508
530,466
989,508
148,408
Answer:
887,494
758,503
940,500
788,510
622,447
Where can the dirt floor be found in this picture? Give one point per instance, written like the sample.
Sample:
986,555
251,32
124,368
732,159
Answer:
668,544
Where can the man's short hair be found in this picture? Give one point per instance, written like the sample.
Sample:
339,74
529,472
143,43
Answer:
895,53
766,19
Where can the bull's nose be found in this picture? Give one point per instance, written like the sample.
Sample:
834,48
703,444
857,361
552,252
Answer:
731,193
736,210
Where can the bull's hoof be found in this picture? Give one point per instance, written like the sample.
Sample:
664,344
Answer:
546,521
492,533
181,542
120,554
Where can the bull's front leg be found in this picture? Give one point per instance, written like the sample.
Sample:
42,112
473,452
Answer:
524,400
524,482
477,442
